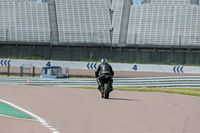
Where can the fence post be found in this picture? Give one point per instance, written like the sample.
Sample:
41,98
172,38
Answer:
8,71
33,71
20,71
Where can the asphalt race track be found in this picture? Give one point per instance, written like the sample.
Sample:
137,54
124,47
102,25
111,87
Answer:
84,111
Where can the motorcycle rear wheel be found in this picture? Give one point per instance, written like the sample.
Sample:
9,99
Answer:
106,91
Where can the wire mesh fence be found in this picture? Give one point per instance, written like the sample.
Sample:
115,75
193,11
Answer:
25,70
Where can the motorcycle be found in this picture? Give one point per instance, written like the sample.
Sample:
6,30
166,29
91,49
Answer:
106,88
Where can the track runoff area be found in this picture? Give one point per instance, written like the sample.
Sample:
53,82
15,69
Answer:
72,110
61,110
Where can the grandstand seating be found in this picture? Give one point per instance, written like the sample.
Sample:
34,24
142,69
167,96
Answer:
17,0
163,23
83,21
172,2
156,22
26,21
117,7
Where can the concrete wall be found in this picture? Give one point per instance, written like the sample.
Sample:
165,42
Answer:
116,54
16,63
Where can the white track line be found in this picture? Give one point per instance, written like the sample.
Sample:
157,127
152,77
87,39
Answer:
42,121
18,118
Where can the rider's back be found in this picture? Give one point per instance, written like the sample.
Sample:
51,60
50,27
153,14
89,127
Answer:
105,68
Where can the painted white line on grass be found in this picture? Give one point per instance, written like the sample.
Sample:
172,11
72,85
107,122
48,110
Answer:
42,121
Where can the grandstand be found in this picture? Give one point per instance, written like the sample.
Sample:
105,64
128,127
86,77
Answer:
171,2
24,21
117,8
162,22
83,21
155,22
17,0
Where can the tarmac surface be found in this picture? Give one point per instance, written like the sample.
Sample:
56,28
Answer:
71,110
16,125
91,73
126,74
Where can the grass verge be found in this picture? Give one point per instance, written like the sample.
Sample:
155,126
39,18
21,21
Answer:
9,111
182,91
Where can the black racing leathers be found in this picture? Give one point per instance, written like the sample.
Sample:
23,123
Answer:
104,69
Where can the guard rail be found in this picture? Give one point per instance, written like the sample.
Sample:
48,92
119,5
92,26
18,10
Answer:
164,82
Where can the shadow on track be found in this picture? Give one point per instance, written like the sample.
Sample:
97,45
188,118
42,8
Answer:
122,99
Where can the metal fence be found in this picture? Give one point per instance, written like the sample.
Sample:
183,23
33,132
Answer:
161,82
26,70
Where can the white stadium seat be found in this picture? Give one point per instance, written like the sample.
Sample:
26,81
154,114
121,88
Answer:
165,22
26,21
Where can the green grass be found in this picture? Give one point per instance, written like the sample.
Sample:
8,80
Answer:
182,91
9,111
28,58
11,75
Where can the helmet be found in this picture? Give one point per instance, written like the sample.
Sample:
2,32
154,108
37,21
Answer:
104,60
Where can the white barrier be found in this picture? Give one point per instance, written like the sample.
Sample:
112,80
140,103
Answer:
165,82
116,66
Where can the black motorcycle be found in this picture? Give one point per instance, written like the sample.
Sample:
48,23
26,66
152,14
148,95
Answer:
106,88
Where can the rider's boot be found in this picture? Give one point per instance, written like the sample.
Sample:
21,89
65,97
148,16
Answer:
111,86
100,88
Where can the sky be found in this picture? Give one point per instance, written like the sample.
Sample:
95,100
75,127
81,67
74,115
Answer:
39,0
137,2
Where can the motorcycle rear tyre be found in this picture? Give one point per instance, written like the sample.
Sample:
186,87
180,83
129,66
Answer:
106,90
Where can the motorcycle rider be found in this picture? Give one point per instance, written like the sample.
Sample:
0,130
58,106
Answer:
104,70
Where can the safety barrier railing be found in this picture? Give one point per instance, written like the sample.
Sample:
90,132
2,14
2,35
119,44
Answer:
164,82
